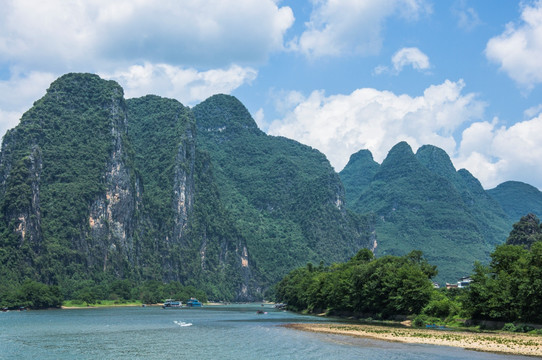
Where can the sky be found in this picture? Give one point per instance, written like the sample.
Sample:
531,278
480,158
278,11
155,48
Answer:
337,75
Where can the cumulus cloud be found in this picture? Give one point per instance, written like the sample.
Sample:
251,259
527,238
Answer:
259,118
351,27
518,49
85,34
496,153
339,125
444,116
187,85
410,57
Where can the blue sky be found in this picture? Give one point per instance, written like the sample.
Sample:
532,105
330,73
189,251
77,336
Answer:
338,75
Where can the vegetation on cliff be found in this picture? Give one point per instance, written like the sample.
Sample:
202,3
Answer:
95,189
421,202
517,199
51,169
284,197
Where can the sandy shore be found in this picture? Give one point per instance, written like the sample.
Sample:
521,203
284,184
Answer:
504,343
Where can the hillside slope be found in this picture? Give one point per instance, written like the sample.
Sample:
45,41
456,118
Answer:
423,203
518,199
95,188
284,196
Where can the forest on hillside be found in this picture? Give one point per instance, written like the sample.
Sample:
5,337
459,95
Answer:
509,289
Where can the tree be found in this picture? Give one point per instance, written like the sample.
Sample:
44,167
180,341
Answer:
525,232
384,287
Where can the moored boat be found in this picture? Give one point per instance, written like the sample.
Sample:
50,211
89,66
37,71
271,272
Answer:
193,302
170,303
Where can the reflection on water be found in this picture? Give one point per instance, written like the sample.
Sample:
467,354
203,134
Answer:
214,332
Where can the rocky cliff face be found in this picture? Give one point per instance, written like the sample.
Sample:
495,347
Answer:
21,205
183,184
183,219
93,186
112,213
78,198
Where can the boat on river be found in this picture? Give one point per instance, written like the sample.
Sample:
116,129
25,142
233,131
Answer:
170,303
193,302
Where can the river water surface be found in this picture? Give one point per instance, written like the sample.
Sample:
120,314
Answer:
216,332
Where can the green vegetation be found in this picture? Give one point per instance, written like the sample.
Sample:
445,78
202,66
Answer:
185,233
97,189
54,163
284,197
379,288
422,202
526,232
358,174
517,199
509,289
34,295
30,294
100,196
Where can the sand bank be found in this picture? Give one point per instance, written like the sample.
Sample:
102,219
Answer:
504,343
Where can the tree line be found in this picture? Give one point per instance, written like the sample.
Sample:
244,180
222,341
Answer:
35,295
508,289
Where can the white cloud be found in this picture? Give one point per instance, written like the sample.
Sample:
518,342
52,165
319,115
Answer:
184,84
284,100
444,116
495,154
91,35
410,57
351,26
518,49
339,125
533,111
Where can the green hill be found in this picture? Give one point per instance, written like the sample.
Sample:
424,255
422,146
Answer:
95,188
358,174
518,199
284,196
423,203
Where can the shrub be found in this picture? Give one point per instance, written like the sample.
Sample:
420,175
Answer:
419,321
509,327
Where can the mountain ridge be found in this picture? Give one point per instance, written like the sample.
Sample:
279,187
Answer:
422,202
96,188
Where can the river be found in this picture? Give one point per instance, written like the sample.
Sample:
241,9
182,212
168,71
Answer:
212,332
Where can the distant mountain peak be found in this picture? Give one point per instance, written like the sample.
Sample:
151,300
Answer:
518,199
436,160
401,147
220,112
358,174
400,162
84,82
363,155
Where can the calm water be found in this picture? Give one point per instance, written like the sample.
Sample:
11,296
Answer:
217,332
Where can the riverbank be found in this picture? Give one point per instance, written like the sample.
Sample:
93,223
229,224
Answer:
102,303
496,342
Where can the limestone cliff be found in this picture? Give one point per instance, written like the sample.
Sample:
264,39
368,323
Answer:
94,187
